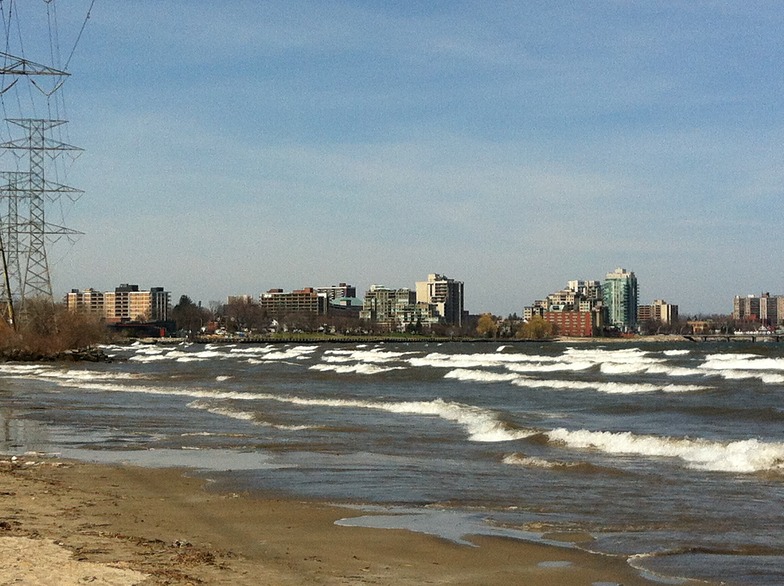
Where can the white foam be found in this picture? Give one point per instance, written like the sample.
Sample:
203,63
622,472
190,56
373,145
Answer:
145,358
553,367
90,375
242,416
251,349
24,370
439,360
532,462
765,377
743,364
626,355
482,376
627,361
354,368
481,425
209,354
363,355
612,388
743,456
619,388
300,353
646,368
224,411
149,350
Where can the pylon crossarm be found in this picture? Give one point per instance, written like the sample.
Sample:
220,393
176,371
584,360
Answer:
13,65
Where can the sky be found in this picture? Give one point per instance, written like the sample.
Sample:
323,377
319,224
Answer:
236,146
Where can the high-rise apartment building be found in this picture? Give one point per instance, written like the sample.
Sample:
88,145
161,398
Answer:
87,301
660,311
397,309
381,302
303,301
576,311
587,289
746,308
620,295
125,304
767,309
446,294
160,304
334,292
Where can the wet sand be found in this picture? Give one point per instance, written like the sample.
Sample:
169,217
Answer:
66,523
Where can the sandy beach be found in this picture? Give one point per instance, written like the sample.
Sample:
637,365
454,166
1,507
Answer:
65,523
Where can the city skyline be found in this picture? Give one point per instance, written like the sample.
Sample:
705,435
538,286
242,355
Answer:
586,288
512,146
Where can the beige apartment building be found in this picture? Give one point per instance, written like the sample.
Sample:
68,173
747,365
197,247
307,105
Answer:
300,301
125,304
659,310
445,294
87,301
766,309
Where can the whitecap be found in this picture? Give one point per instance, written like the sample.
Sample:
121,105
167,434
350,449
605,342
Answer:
742,456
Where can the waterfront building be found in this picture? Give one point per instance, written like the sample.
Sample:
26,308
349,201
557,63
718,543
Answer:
576,310
535,310
397,309
445,294
575,324
339,291
659,310
766,309
667,313
620,296
160,304
381,302
302,301
88,301
746,308
125,304
241,300
587,289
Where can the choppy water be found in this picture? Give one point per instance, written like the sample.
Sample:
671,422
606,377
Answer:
670,455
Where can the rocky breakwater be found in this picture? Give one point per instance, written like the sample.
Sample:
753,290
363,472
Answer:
75,355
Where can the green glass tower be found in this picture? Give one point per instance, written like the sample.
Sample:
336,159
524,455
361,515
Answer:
620,296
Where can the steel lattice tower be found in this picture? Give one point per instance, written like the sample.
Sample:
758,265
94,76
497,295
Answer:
24,228
26,191
26,241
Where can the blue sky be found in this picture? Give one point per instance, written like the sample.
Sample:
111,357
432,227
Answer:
232,147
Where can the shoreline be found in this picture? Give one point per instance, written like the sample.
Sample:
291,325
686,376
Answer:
123,525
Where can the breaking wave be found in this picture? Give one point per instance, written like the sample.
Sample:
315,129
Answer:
482,376
741,362
363,356
243,416
360,368
438,360
481,425
523,461
602,387
742,456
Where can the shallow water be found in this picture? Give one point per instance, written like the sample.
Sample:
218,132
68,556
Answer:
671,454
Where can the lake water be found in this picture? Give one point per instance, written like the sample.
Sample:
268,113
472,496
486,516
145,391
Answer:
669,455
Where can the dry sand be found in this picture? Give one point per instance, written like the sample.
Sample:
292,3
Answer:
64,523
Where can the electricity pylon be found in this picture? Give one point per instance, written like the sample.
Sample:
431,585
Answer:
26,236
